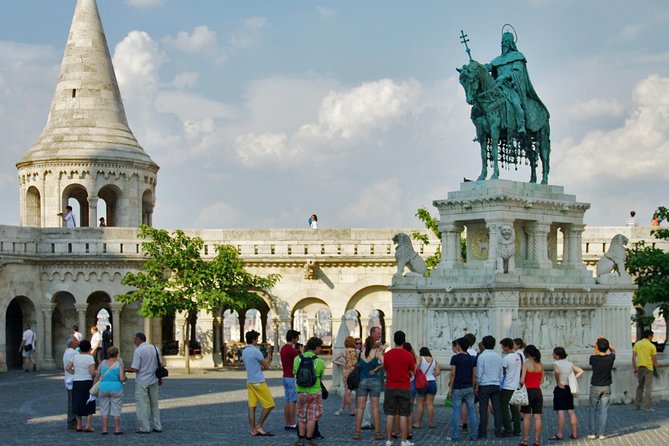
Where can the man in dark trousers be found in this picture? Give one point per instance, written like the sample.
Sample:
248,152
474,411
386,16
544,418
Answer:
400,366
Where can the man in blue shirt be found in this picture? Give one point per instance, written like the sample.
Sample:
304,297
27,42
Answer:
488,380
461,387
257,388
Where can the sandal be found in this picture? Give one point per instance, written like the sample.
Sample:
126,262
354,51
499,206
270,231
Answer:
536,443
356,436
573,437
555,437
379,436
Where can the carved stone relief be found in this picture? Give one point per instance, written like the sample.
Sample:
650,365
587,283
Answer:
447,325
552,328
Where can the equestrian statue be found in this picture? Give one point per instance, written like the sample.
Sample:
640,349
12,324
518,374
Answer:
511,121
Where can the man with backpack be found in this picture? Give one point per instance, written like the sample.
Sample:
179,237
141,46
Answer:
257,388
308,369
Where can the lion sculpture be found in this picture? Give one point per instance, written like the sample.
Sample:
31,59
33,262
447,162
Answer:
506,249
406,256
614,259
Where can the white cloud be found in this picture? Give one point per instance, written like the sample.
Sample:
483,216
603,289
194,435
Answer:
249,32
218,215
344,117
189,106
356,112
639,149
593,108
379,202
144,3
137,59
200,40
186,80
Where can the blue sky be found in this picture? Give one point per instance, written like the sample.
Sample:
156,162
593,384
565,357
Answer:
261,113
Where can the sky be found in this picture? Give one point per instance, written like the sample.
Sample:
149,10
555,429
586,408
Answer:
261,113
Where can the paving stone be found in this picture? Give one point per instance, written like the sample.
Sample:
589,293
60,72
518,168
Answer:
209,408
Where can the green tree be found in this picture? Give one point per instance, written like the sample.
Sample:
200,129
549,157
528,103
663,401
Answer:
650,268
175,278
432,224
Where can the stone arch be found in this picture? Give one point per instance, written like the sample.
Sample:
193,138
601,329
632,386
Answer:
21,310
98,300
148,202
313,317
63,318
78,194
374,304
111,195
33,207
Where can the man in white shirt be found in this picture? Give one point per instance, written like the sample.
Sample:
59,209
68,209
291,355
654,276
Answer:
96,345
27,347
68,217
145,361
72,343
512,365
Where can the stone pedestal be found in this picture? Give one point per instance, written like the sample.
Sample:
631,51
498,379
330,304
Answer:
511,283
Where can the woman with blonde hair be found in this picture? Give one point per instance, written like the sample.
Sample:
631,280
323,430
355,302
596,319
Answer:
347,359
110,396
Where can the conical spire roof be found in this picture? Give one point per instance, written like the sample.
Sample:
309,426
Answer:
87,120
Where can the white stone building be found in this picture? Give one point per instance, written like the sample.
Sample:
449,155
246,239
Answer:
334,281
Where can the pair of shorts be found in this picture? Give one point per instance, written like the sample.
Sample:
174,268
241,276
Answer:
431,389
563,399
27,354
260,392
368,387
309,406
397,402
290,389
111,403
536,402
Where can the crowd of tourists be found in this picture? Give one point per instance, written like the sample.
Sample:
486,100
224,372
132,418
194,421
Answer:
483,384
95,378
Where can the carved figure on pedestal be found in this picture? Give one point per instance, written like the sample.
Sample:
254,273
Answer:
506,249
613,261
406,256
511,121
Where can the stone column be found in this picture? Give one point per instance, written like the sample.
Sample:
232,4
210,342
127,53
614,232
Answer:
276,357
336,324
47,337
206,323
81,313
540,232
450,242
117,334
93,211
147,330
180,320
576,246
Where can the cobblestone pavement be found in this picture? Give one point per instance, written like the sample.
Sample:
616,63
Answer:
209,408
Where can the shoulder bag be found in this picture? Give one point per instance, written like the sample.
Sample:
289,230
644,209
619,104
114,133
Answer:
353,378
420,380
573,383
95,388
519,396
161,372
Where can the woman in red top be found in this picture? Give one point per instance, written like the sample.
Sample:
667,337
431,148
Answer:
532,377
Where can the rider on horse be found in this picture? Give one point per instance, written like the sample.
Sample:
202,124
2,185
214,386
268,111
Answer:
510,73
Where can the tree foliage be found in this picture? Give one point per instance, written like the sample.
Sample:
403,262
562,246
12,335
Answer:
650,268
432,224
175,278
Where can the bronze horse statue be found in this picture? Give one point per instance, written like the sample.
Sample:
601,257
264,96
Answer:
496,129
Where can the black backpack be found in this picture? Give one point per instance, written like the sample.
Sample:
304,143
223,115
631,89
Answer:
306,371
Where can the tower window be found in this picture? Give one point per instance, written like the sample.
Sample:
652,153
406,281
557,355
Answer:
74,92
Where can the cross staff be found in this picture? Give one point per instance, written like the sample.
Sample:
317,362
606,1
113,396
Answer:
464,40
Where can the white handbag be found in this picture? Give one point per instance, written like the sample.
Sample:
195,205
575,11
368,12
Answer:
519,397
573,383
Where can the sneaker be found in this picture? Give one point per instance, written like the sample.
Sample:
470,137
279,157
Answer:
407,443
389,443
592,437
602,437
464,427
339,412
